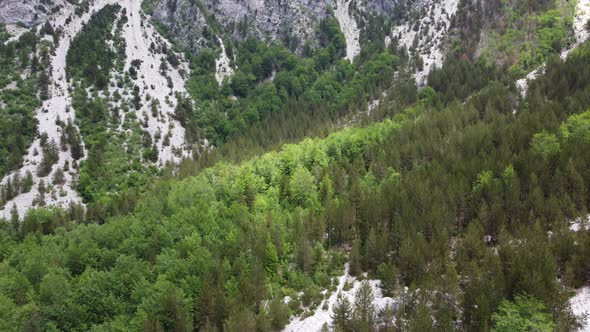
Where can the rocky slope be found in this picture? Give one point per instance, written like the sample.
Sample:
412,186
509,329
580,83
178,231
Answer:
424,38
30,12
138,36
295,21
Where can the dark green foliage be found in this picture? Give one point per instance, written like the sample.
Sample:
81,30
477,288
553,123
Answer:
94,67
50,152
18,99
453,200
270,80
331,34
342,317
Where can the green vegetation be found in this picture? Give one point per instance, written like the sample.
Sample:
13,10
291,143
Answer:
116,158
23,83
528,33
270,80
524,314
451,193
94,66
18,98
416,197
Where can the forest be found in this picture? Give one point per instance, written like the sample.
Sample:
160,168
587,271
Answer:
466,204
458,196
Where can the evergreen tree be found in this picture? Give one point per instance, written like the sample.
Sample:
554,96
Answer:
272,259
364,308
355,258
342,315
524,314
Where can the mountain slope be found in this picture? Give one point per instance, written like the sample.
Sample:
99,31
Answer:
305,166
166,133
447,201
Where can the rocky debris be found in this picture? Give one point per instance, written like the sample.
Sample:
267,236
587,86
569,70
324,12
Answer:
185,21
324,312
296,21
57,108
138,35
426,36
223,69
28,12
580,304
161,86
349,27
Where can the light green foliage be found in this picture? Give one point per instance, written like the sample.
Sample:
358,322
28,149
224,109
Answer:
577,126
545,144
524,314
272,259
484,179
303,189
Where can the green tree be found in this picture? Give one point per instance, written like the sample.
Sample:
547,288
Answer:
355,257
545,144
342,315
303,188
524,314
278,314
364,309
272,259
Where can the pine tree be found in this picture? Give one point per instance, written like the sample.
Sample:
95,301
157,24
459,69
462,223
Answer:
272,259
364,309
355,257
14,217
59,177
371,253
28,182
342,316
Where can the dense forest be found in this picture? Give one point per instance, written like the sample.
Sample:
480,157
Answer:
458,196
469,201
272,80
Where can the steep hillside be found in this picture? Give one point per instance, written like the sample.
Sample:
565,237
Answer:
424,35
447,205
270,165
195,23
141,79
30,12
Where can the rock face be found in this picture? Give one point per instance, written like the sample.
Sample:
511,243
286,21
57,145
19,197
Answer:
184,20
425,37
28,12
195,24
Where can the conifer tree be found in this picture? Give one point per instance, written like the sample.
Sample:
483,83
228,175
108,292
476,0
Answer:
272,259
364,309
355,257
342,316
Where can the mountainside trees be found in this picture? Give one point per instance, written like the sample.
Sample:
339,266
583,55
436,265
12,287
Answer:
454,199
459,203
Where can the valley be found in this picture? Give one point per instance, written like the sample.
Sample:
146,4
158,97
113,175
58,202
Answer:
342,165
